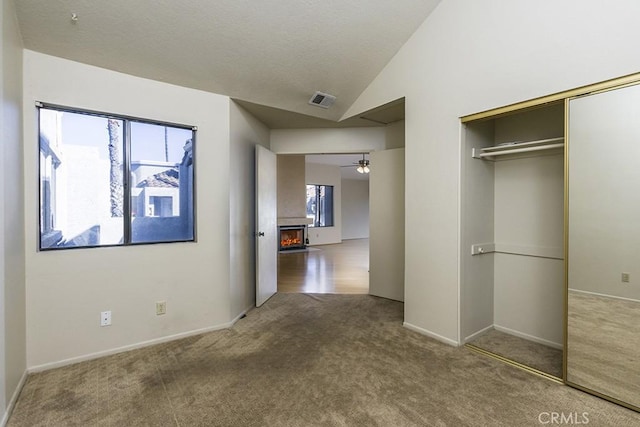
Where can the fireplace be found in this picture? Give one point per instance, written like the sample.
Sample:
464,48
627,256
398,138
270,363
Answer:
292,237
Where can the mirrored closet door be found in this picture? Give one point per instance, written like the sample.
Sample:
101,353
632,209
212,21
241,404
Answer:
603,326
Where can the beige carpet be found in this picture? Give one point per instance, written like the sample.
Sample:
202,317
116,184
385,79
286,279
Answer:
304,360
538,356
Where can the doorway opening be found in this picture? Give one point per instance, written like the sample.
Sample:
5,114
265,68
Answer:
377,133
329,254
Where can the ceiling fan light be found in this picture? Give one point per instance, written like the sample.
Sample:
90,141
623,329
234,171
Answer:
365,169
360,169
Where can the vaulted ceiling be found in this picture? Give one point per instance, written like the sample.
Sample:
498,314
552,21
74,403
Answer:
273,53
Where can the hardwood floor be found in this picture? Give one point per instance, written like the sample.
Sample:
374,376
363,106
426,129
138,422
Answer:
327,269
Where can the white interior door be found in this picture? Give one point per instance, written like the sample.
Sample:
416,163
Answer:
266,225
386,224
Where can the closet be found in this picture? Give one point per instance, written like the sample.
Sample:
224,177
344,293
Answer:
550,237
512,224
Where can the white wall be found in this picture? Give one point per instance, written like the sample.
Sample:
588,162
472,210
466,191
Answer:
245,133
395,135
67,289
529,216
529,291
332,141
529,298
12,274
355,209
477,227
469,57
326,175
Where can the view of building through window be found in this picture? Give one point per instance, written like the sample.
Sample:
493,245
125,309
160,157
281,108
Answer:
92,194
320,205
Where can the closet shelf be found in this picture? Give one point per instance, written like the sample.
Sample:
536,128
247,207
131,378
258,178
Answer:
489,153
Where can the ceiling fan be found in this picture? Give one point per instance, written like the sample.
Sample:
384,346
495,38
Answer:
362,166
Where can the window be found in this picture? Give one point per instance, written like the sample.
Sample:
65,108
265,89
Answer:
320,205
109,180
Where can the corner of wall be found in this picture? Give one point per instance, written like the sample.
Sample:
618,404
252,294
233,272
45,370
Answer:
245,133
12,270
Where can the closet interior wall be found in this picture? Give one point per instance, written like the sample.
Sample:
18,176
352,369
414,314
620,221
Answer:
512,212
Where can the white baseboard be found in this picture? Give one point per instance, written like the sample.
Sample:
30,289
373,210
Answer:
430,334
477,334
96,355
603,295
241,315
14,399
528,337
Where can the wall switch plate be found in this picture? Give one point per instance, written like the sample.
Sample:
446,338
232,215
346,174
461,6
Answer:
105,318
161,307
626,277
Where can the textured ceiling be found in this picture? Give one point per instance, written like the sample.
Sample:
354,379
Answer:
271,52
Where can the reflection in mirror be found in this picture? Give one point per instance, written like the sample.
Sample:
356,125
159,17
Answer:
604,344
603,338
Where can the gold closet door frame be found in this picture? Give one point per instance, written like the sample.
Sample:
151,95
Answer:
553,98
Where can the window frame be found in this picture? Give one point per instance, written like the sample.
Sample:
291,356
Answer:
126,174
317,193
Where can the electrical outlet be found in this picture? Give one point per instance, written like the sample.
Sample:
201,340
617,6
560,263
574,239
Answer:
105,318
626,277
161,307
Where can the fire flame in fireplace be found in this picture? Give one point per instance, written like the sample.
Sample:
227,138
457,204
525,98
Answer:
290,242
290,238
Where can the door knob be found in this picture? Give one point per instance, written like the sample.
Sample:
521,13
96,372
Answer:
260,233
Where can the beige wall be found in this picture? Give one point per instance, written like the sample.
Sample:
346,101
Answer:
291,187
12,273
67,289
468,57
245,133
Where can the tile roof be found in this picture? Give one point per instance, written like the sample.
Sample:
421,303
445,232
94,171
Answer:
167,179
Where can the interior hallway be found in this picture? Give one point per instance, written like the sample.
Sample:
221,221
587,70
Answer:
342,268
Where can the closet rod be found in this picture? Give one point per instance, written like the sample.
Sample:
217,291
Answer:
520,150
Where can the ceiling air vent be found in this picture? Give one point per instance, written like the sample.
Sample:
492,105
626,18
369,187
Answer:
323,100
